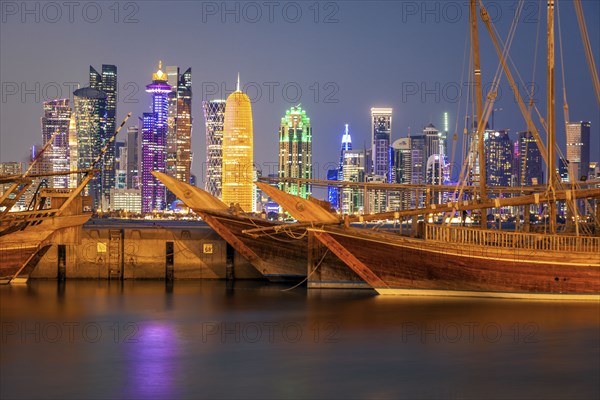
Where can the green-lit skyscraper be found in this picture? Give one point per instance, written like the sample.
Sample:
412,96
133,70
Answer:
295,151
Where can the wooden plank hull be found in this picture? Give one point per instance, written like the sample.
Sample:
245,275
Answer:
12,259
414,266
281,257
18,247
277,256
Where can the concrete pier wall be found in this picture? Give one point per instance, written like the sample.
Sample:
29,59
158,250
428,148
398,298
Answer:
115,249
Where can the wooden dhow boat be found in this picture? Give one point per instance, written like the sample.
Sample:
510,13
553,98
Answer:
280,254
463,261
476,261
53,217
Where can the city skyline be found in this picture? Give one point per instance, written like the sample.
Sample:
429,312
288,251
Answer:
408,65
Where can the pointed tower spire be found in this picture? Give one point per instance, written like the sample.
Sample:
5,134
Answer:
238,83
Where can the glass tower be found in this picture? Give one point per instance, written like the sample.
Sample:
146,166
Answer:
133,157
56,120
529,162
498,158
578,149
154,138
179,135
214,119
107,82
381,133
90,123
295,151
238,157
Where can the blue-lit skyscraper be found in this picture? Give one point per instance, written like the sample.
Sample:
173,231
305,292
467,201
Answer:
154,139
346,145
333,192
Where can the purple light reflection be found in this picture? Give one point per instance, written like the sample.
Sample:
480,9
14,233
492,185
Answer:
152,362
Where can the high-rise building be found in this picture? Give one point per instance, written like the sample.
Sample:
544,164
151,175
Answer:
377,199
578,148
179,121
9,168
528,165
563,169
56,121
89,109
346,145
419,159
133,166
333,192
435,141
403,167
128,200
120,165
437,171
73,150
238,151
214,120
295,151
107,83
353,170
381,135
498,158
154,138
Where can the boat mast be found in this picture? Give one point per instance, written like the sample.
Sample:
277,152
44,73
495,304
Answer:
478,105
550,117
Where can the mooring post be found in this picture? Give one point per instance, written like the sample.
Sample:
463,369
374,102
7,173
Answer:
169,261
229,263
62,262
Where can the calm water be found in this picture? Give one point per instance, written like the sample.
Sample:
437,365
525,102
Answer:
141,340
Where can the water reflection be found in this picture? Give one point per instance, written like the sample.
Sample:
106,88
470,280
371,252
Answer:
152,362
214,339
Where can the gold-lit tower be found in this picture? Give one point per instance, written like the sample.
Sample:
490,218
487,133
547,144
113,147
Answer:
238,150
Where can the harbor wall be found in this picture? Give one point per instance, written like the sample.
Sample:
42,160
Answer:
120,249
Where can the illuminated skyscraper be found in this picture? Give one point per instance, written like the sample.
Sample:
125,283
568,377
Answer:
333,192
133,166
9,168
353,170
403,169
528,163
295,151
107,83
238,157
578,149
346,145
179,135
381,135
56,120
214,120
154,138
73,150
89,109
498,158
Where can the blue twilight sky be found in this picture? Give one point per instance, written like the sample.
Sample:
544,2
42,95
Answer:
337,58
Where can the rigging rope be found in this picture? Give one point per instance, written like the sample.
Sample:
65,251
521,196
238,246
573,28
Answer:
309,275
